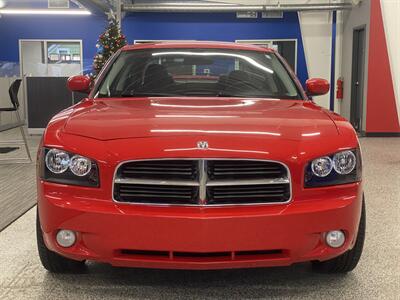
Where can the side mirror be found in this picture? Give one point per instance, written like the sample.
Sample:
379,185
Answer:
317,87
79,83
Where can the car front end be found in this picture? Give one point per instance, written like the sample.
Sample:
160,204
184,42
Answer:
194,183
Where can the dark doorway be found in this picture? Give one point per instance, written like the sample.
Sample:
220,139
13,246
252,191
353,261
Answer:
286,48
288,51
357,78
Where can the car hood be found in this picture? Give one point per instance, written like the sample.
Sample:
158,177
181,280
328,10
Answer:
108,119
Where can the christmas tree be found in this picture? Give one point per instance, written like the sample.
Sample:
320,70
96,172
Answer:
108,43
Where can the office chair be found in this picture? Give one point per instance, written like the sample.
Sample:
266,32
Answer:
13,92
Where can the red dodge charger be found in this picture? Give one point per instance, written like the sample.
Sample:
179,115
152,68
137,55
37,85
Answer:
199,156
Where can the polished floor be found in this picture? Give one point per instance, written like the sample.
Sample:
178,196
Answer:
17,180
376,277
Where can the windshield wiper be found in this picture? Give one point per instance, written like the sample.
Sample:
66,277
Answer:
200,93
223,94
149,94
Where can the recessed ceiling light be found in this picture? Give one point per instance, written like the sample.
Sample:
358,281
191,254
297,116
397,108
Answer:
44,12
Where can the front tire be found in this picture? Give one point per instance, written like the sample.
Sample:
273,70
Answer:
52,261
349,260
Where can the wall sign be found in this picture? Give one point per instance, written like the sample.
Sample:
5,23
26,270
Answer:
247,15
272,14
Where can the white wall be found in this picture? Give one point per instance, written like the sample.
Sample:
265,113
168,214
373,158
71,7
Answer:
358,16
391,22
316,30
32,58
338,60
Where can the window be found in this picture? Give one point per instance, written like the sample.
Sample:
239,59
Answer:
198,72
63,52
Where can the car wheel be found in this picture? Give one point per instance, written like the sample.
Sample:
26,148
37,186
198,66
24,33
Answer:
349,260
52,261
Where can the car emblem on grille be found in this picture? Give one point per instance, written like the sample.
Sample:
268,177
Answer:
202,145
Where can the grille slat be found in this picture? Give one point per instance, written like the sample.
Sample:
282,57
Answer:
247,196
149,193
161,194
239,188
171,169
236,172
162,189
244,170
153,195
157,172
143,191
242,194
178,182
252,195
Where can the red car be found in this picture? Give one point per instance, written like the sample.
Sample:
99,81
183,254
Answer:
199,156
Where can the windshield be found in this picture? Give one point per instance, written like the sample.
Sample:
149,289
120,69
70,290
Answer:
197,72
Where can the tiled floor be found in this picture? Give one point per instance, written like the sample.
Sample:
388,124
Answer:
377,276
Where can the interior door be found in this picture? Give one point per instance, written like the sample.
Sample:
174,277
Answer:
357,79
288,51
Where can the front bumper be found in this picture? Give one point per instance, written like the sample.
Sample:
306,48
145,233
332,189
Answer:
200,237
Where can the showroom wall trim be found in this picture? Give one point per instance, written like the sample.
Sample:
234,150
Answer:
382,115
333,62
391,22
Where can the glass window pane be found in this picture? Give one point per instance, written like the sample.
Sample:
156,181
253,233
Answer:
63,52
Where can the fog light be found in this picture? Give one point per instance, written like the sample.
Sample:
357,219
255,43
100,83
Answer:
335,238
66,238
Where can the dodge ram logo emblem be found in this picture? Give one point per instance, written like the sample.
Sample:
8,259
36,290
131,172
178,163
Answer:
202,145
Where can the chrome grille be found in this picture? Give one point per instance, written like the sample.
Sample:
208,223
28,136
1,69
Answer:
244,193
165,194
160,169
228,169
202,182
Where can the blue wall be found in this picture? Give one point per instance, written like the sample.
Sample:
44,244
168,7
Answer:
216,27
148,26
85,28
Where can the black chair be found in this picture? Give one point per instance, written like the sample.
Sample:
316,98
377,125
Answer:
156,78
13,92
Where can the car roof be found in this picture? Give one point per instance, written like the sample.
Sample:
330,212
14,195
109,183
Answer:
198,45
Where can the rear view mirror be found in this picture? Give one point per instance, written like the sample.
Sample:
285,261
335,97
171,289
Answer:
317,87
79,83
200,61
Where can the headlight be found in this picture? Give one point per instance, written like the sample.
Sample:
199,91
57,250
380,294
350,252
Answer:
67,168
322,166
80,165
57,161
338,168
344,162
